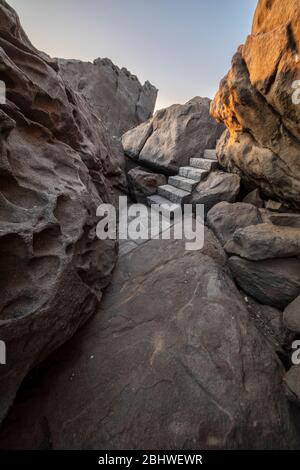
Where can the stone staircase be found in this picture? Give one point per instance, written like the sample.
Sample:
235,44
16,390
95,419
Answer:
180,187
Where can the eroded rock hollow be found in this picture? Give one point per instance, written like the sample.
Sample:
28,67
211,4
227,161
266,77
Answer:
56,166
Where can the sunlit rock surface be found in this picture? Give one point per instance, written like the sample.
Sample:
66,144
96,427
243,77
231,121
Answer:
258,103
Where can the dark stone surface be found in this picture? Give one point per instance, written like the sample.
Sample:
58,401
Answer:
217,187
172,360
265,241
142,183
291,316
274,282
224,219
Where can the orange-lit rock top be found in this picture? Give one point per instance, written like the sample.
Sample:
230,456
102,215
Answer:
259,103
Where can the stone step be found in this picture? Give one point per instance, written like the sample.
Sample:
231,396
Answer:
173,194
204,164
181,182
210,154
166,207
195,174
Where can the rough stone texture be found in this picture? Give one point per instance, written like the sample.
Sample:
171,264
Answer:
173,136
142,183
255,102
116,95
225,218
292,385
56,167
269,321
134,141
291,316
264,241
254,198
183,370
285,220
274,282
217,187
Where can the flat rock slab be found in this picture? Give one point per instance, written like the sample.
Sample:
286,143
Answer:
57,166
265,241
274,282
225,218
172,360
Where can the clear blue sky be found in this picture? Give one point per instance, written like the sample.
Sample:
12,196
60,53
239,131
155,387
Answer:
184,47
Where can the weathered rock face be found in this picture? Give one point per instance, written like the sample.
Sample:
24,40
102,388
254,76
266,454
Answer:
281,220
116,95
142,184
224,219
258,104
217,187
266,248
173,136
183,370
56,167
265,241
269,321
292,384
274,282
291,316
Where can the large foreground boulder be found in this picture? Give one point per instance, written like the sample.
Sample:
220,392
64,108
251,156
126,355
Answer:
259,104
173,136
56,168
116,95
172,361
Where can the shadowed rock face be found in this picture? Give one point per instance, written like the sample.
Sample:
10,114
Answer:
292,316
56,167
274,282
218,186
258,104
116,95
173,136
